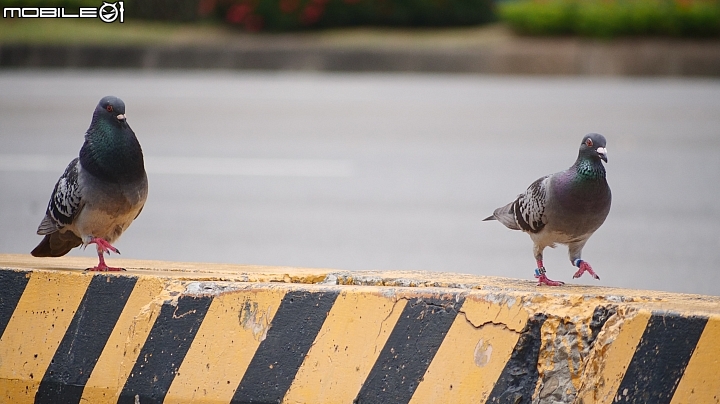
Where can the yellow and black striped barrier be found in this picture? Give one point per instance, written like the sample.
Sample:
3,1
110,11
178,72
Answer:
180,333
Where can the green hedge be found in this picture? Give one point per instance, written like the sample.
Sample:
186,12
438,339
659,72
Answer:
613,18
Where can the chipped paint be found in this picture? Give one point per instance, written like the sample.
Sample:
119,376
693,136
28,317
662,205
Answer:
560,361
208,288
483,353
611,355
255,319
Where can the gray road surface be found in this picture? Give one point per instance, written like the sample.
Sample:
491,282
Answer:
380,171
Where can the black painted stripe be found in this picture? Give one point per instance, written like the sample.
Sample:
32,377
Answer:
291,334
164,350
84,340
410,348
13,285
660,358
517,381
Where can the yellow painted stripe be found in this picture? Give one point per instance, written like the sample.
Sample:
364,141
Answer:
35,330
346,348
614,349
701,381
123,346
225,343
473,354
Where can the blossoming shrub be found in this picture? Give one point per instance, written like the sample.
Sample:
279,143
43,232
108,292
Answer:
285,15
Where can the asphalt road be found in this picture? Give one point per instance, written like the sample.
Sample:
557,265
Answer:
380,171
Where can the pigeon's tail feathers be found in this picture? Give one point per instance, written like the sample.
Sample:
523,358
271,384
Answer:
56,244
47,226
506,216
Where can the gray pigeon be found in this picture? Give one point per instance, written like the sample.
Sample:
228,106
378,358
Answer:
565,208
101,192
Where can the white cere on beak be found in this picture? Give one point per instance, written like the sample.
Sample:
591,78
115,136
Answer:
122,116
602,153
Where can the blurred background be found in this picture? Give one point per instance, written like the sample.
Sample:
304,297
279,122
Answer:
377,134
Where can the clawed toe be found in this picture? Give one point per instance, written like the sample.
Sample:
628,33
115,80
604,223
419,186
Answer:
544,280
579,274
583,267
104,246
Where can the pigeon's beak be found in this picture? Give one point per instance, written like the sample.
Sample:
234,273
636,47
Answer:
602,153
121,117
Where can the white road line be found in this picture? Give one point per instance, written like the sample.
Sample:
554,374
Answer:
213,166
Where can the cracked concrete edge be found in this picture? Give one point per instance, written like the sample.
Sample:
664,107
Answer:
495,287
640,57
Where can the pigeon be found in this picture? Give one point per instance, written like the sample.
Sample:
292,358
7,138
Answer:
563,208
100,193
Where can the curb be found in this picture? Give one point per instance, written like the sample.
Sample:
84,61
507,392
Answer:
642,57
176,332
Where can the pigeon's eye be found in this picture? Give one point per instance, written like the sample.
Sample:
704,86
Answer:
588,142
109,108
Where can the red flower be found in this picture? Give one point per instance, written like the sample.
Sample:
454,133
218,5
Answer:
311,14
288,6
237,13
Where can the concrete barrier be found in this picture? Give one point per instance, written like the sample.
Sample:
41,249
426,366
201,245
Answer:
179,332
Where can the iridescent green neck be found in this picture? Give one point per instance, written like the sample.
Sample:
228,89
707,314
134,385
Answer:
589,169
102,134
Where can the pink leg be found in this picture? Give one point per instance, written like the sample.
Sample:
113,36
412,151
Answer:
584,267
102,248
542,278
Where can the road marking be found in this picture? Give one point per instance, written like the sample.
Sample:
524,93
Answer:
214,166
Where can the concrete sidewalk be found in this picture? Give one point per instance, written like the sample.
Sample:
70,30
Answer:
487,50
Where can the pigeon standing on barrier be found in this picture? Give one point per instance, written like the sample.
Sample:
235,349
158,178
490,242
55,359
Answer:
100,193
563,208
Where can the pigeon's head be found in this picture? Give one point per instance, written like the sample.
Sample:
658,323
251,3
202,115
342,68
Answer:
111,107
593,146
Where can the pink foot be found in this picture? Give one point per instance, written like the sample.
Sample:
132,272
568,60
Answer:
584,267
103,247
104,268
544,280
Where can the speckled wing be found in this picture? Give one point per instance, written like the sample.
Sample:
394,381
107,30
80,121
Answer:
65,201
529,207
